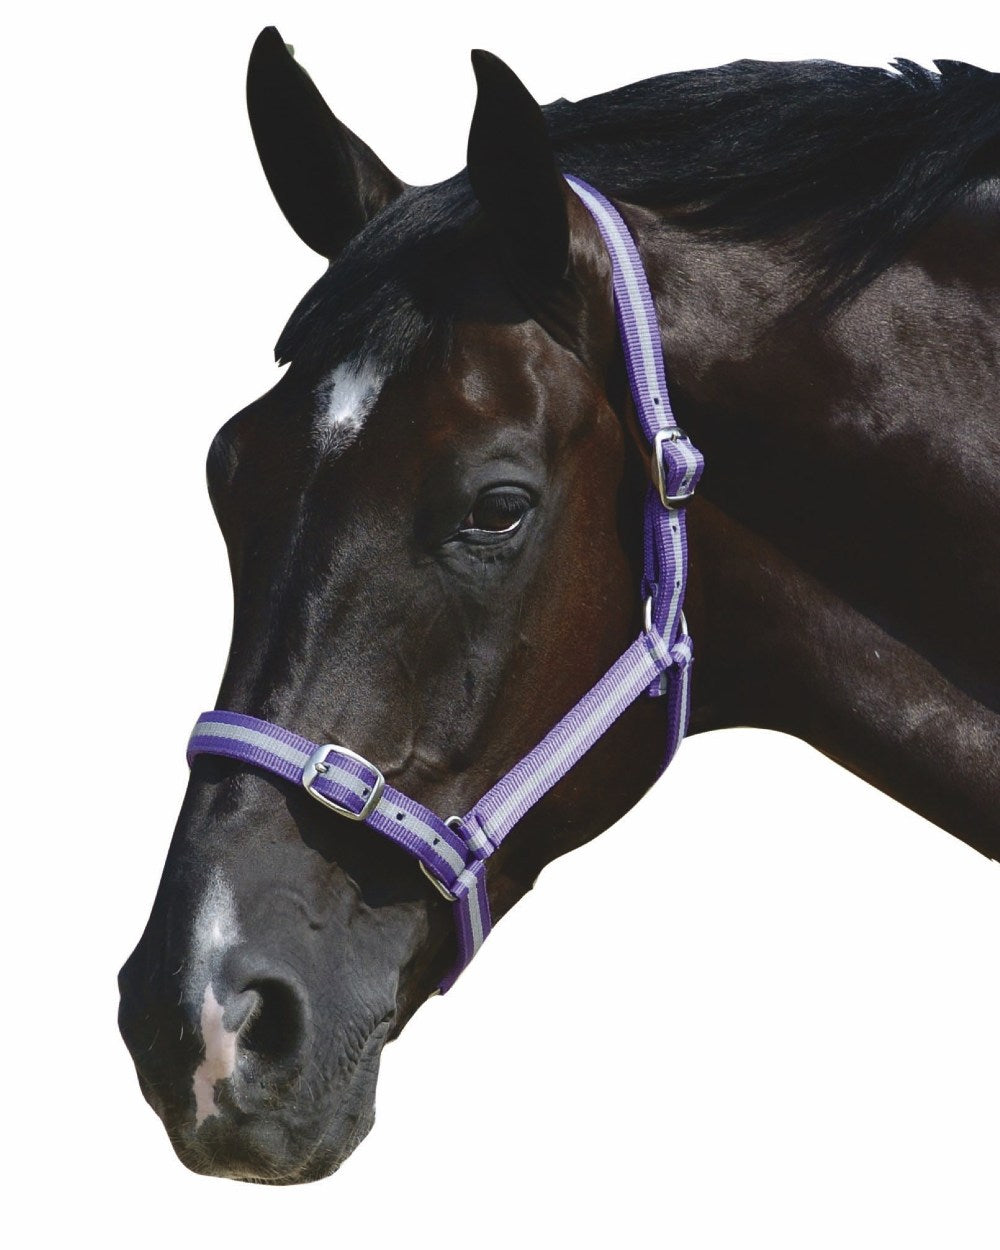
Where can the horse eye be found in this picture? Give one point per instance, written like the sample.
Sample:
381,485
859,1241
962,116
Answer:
498,511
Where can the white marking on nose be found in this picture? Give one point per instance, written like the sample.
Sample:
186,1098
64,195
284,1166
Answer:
220,1057
215,930
344,400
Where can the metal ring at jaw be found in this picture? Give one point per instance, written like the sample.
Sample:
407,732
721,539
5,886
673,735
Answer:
441,888
647,626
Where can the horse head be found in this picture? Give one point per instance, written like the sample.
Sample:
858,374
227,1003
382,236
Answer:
434,526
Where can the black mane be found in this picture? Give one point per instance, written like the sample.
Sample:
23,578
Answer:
849,161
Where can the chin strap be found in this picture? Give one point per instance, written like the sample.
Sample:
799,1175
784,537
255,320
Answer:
453,852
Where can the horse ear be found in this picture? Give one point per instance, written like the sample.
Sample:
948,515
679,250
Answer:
326,181
513,170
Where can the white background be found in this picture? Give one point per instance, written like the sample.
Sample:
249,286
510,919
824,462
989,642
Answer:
779,1027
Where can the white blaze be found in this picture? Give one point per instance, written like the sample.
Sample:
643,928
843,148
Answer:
344,400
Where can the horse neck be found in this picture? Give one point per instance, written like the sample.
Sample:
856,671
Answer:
837,549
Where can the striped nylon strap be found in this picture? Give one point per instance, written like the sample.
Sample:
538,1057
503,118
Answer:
453,852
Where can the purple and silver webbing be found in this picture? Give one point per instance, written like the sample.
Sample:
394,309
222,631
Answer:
453,853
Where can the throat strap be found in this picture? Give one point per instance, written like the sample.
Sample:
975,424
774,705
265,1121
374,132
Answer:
453,852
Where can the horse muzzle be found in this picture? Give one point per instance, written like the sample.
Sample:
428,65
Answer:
245,1084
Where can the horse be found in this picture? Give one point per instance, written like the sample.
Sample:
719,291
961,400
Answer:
435,523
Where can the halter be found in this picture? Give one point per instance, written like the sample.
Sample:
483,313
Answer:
453,853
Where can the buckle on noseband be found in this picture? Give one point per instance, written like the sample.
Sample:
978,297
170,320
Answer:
672,435
317,764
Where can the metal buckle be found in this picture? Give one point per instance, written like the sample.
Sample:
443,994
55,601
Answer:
317,765
672,435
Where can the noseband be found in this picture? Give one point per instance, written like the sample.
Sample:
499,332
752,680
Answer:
453,853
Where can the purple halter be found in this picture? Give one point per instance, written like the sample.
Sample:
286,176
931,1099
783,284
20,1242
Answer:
453,852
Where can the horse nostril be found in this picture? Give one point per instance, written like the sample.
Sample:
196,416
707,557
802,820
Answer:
240,1008
272,1020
